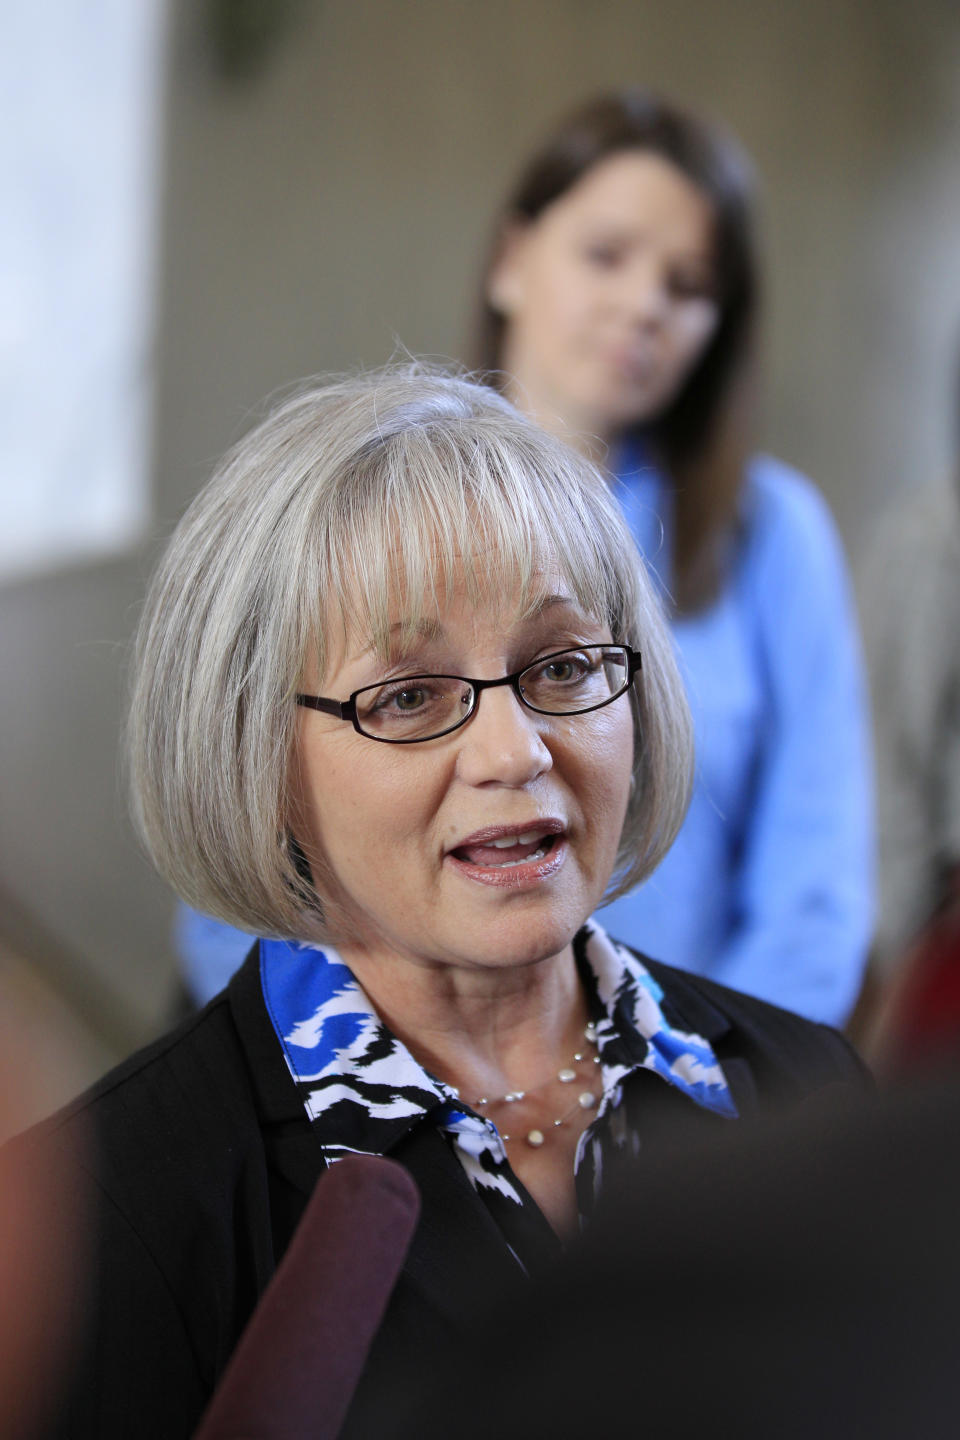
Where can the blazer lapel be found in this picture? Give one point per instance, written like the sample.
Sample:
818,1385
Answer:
689,1009
458,1258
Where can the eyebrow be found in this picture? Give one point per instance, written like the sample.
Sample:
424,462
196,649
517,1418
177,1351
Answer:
431,631
547,602
422,630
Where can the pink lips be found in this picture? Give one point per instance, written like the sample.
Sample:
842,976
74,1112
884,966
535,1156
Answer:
638,364
512,856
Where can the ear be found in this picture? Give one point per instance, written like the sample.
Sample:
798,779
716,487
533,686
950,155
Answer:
505,280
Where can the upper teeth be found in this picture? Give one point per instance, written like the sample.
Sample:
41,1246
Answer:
506,841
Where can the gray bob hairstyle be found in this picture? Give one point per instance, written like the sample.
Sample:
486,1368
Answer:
399,484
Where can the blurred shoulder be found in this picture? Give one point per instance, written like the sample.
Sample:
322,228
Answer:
783,507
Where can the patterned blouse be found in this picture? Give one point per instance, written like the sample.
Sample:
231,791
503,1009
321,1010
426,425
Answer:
369,1092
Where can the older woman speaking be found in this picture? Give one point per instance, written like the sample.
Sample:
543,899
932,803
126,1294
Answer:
404,705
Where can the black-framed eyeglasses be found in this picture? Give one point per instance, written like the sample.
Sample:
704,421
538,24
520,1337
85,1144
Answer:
424,707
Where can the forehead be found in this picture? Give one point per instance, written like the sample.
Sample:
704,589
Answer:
637,187
495,528
460,609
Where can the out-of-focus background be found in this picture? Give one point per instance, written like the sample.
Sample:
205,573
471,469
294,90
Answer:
207,199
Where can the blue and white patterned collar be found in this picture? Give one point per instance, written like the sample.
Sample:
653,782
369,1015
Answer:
367,1090
633,1032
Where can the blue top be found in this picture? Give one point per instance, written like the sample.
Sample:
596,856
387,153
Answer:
209,951
769,885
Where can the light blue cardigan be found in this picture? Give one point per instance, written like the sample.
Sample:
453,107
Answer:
769,886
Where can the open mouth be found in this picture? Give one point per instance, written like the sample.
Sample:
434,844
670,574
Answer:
511,857
507,851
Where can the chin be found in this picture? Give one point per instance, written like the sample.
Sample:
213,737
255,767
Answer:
512,944
636,412
615,420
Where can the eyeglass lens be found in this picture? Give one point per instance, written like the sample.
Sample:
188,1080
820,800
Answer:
422,706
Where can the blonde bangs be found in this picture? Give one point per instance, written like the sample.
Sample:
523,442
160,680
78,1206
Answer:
436,512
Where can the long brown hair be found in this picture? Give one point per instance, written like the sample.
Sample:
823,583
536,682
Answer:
700,439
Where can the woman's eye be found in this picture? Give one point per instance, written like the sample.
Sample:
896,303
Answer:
409,699
691,287
403,698
603,257
565,669
414,706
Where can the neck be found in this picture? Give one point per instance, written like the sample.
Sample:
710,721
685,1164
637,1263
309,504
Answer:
483,1030
583,431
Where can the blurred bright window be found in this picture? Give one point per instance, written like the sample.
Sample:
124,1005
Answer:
79,183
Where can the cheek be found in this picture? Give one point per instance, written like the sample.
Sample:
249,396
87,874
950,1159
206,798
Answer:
362,807
620,772
561,299
606,765
332,800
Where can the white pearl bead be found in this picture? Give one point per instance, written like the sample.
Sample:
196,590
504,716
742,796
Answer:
587,1099
535,1138
566,1075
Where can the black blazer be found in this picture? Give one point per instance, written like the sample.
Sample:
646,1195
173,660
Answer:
195,1158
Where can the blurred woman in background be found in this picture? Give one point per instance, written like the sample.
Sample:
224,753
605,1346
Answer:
618,308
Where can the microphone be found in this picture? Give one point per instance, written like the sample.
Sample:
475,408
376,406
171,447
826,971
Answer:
297,1364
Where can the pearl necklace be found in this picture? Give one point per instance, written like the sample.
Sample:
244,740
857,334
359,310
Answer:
585,1100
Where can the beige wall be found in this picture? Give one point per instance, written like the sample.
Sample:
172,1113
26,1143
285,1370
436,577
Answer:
337,204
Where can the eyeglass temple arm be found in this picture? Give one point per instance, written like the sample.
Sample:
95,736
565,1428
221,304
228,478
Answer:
342,710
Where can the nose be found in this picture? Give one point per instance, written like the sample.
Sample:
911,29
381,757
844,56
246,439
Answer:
645,294
502,743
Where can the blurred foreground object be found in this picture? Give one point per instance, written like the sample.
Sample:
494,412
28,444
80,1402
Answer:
69,1020
911,591
918,1023
792,1282
40,1258
293,1374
